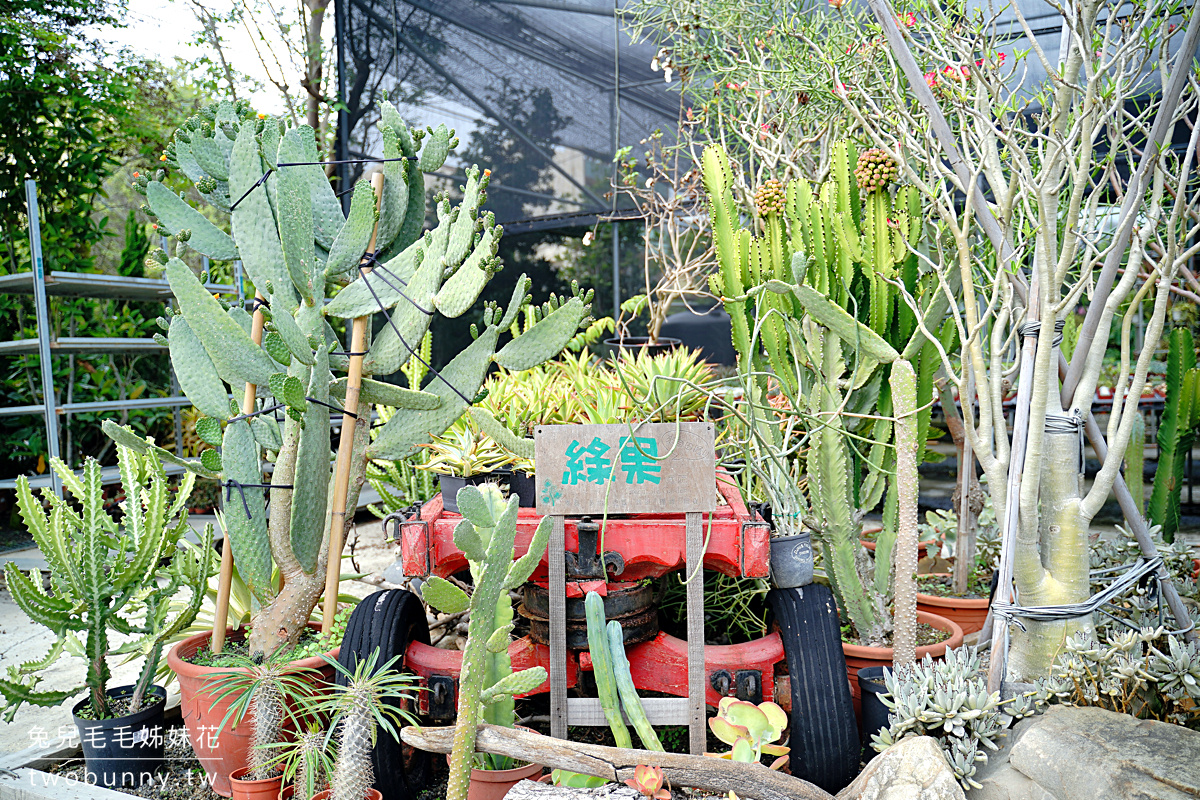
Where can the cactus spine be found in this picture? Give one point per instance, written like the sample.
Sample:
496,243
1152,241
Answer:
831,262
1176,432
295,244
487,684
107,577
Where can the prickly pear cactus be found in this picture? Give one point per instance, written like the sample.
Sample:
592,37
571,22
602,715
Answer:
487,535
298,248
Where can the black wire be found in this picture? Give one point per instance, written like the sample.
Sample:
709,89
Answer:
256,413
231,484
334,408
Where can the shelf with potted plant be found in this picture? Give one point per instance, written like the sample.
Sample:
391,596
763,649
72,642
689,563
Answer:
968,605
298,247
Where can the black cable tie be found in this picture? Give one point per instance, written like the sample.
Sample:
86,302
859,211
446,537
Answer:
256,303
257,183
335,408
346,353
383,272
241,417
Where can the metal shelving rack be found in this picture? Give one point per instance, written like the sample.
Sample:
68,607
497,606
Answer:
75,284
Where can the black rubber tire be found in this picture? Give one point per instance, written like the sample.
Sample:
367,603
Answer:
390,620
825,749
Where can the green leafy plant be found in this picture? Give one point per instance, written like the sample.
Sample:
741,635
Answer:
271,693
487,684
107,575
463,450
369,701
295,243
307,761
562,777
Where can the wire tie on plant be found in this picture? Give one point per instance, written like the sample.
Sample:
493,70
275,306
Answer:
263,179
1034,328
1069,424
332,407
258,302
1137,571
346,353
266,410
231,484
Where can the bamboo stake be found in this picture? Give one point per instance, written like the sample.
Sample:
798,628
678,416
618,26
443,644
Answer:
341,483
225,582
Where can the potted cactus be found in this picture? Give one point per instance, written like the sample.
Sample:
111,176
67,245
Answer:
296,245
108,576
487,684
819,324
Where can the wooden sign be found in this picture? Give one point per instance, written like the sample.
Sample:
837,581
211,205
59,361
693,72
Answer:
653,468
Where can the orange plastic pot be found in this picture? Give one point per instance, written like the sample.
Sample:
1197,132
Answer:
493,784
968,612
220,755
858,656
372,794
266,789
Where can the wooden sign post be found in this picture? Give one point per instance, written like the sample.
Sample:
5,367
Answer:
599,470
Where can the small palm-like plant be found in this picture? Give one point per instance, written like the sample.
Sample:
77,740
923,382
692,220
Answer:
307,761
357,711
272,692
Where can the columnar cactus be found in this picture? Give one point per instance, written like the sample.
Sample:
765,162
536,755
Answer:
486,684
829,261
1176,432
904,403
294,242
107,576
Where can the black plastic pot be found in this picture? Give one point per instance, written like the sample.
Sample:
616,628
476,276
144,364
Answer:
791,561
874,712
706,331
519,482
123,751
635,344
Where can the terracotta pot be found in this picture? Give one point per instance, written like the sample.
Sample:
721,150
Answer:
968,612
220,755
858,657
266,789
493,784
372,794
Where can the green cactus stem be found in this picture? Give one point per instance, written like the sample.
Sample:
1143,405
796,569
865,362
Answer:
487,535
1176,431
602,669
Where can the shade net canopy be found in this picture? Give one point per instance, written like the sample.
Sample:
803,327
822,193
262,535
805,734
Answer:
542,92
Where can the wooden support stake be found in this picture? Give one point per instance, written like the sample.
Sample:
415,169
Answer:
556,555
694,552
225,582
341,483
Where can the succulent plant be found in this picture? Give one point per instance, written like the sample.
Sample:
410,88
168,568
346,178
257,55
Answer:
357,709
1176,431
949,701
487,684
874,170
649,782
750,730
832,263
269,694
294,241
106,576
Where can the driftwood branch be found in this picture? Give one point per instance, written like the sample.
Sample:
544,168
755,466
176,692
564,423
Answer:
616,764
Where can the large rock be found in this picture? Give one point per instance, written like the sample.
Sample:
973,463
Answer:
1092,754
912,769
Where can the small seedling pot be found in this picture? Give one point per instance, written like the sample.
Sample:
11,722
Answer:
791,561
123,751
265,789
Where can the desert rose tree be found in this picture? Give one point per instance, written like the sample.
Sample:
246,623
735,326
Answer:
1068,203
